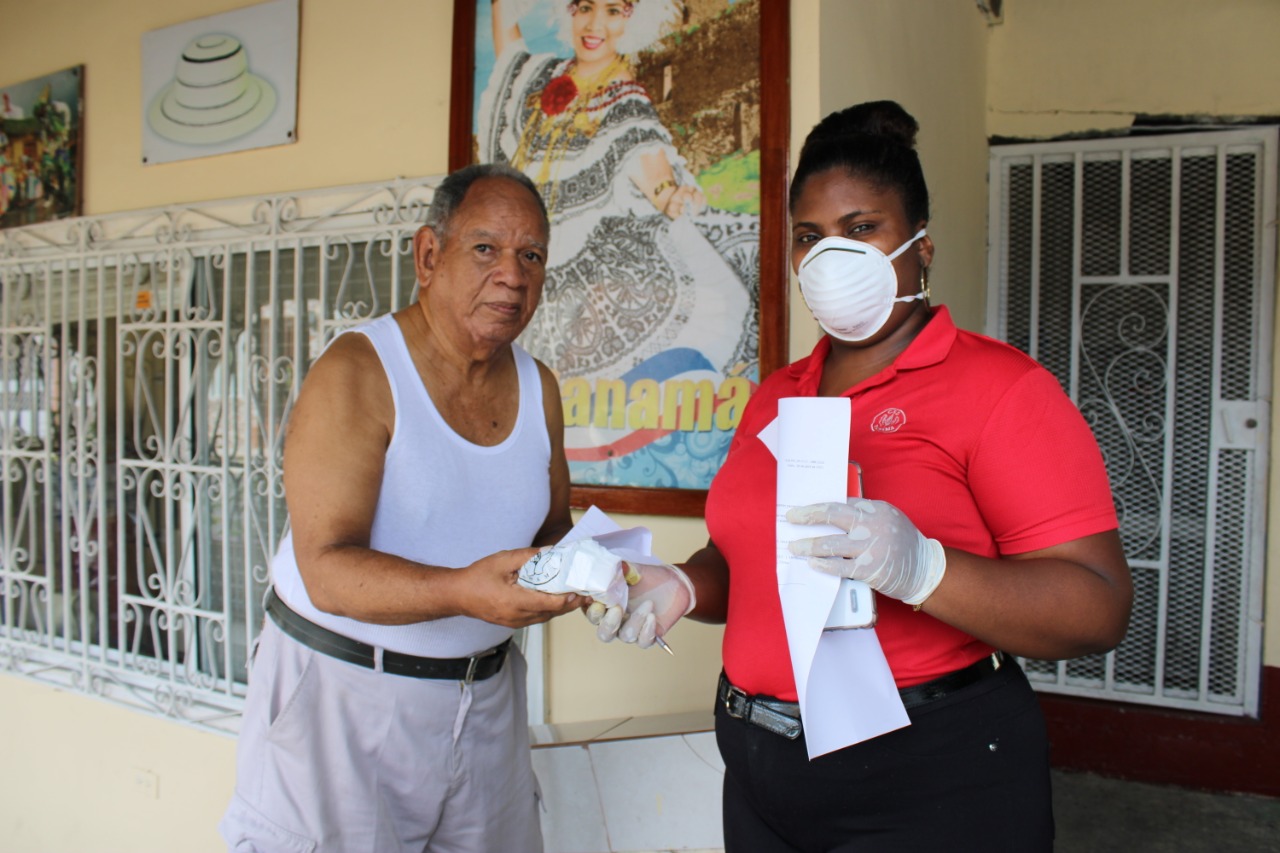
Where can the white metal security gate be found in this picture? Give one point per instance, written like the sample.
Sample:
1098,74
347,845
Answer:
1141,272
148,364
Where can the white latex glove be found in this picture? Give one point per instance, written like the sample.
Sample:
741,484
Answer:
657,597
882,548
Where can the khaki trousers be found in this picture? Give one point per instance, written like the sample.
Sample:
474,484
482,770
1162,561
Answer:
336,757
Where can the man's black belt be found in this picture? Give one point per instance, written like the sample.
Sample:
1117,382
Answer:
783,718
476,668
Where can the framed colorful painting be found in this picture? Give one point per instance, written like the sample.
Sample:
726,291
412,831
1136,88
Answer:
40,150
656,131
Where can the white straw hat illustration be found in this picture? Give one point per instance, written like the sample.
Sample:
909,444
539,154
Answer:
214,97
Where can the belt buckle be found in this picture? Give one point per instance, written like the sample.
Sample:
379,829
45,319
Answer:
474,662
736,702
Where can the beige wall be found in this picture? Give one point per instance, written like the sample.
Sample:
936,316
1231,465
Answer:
1068,66
875,50
931,58
85,775
373,103
373,98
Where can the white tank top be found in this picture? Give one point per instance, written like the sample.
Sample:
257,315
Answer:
444,501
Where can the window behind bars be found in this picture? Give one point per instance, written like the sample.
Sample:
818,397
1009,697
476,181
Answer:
148,364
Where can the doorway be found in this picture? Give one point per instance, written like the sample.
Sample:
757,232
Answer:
1141,272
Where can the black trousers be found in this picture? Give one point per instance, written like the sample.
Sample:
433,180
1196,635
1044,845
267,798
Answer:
971,773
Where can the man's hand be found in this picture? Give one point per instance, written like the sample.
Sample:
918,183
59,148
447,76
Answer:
658,597
881,547
495,595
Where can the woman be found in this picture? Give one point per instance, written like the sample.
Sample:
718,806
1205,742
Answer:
638,266
988,532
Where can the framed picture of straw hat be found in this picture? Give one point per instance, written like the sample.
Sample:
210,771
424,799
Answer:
656,131
220,84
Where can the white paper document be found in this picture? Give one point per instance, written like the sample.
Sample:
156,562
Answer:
847,693
632,543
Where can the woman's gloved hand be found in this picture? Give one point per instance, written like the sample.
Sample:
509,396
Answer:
881,547
657,596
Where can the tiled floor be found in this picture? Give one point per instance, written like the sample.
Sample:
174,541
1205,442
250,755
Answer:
646,789
1098,815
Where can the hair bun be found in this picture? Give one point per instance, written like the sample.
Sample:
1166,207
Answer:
885,119
874,141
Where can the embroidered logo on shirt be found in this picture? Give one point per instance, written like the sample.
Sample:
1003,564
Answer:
890,420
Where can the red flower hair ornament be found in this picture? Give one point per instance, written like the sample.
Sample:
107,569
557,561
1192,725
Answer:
558,94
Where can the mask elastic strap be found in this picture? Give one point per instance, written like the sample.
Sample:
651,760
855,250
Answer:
905,245
924,291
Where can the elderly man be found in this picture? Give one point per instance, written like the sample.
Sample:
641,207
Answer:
426,453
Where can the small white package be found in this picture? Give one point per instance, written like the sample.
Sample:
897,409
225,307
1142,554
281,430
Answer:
583,566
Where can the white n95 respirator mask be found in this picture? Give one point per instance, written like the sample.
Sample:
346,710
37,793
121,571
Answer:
851,287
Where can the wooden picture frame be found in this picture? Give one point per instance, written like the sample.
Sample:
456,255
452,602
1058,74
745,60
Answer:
774,130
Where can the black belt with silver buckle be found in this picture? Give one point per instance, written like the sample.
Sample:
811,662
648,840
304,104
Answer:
783,718
475,668
774,715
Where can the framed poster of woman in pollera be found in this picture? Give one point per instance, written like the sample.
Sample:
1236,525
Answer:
649,127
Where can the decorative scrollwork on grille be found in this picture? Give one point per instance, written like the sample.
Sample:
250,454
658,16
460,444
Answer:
149,364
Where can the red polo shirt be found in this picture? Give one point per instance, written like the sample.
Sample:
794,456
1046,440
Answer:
971,438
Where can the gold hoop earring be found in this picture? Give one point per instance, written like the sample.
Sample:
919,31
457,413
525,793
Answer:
924,282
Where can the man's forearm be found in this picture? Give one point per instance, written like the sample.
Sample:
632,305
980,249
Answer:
371,586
